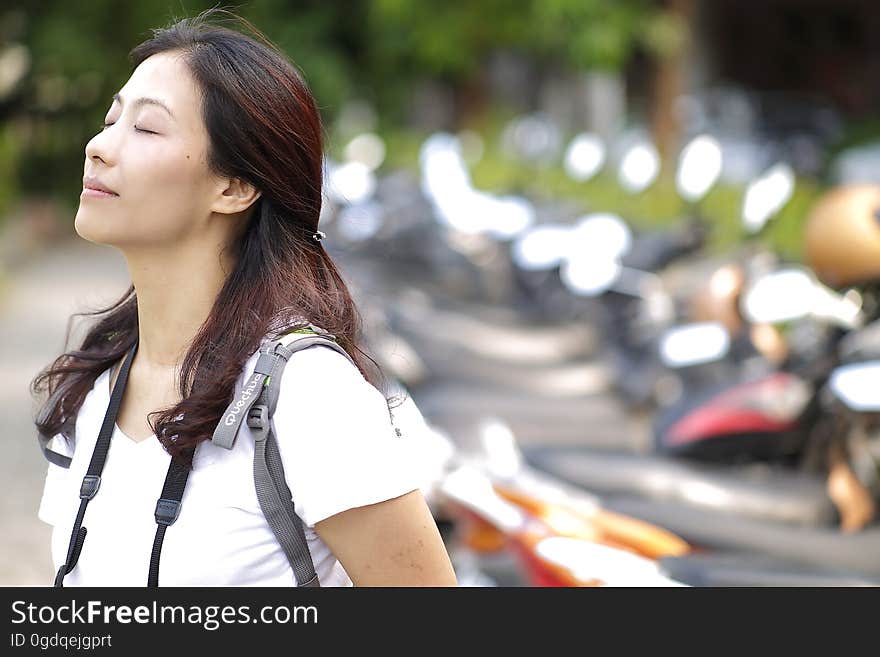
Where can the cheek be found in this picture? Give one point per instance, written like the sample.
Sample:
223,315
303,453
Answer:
167,179
160,201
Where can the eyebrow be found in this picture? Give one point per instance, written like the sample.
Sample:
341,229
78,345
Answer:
145,101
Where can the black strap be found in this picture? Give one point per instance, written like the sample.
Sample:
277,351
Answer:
273,493
168,505
167,510
92,481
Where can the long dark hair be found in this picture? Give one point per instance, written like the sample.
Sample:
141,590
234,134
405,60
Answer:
263,127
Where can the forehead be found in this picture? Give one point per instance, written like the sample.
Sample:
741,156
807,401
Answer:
166,77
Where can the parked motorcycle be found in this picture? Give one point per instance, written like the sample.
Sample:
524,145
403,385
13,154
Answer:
643,312
774,537
488,524
551,534
799,422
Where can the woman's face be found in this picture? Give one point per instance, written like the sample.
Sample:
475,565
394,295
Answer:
153,156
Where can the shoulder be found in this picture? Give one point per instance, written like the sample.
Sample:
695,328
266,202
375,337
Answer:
322,369
323,392
322,360
336,437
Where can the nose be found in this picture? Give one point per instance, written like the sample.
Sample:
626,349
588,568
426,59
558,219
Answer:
100,147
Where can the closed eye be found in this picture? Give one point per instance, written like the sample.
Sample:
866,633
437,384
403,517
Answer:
107,125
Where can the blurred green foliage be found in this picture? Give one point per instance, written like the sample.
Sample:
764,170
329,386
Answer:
449,39
374,50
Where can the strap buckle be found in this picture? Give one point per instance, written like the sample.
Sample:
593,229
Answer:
321,331
258,417
317,330
167,511
89,487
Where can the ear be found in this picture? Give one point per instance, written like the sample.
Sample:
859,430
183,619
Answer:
234,195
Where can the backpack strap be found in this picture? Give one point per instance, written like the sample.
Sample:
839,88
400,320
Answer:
267,374
272,490
273,493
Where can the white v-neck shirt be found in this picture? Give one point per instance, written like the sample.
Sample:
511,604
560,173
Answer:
339,450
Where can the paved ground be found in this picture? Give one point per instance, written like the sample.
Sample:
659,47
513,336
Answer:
35,304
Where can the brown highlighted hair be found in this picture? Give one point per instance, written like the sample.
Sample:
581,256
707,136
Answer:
264,127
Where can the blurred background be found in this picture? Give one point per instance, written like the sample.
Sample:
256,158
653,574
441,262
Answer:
622,255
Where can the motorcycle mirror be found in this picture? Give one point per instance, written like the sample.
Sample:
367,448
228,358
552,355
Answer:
541,247
694,344
639,167
510,216
845,310
584,157
767,195
856,386
780,296
601,234
699,167
589,276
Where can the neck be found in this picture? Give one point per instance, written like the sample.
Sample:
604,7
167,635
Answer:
176,290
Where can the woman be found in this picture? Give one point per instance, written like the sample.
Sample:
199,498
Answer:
206,175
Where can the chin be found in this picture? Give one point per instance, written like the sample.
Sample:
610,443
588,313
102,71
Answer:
93,229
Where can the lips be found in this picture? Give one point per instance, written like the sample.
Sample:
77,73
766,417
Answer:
90,182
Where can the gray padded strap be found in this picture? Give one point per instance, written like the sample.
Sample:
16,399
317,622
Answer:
255,403
273,493
286,351
273,357
277,504
246,396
